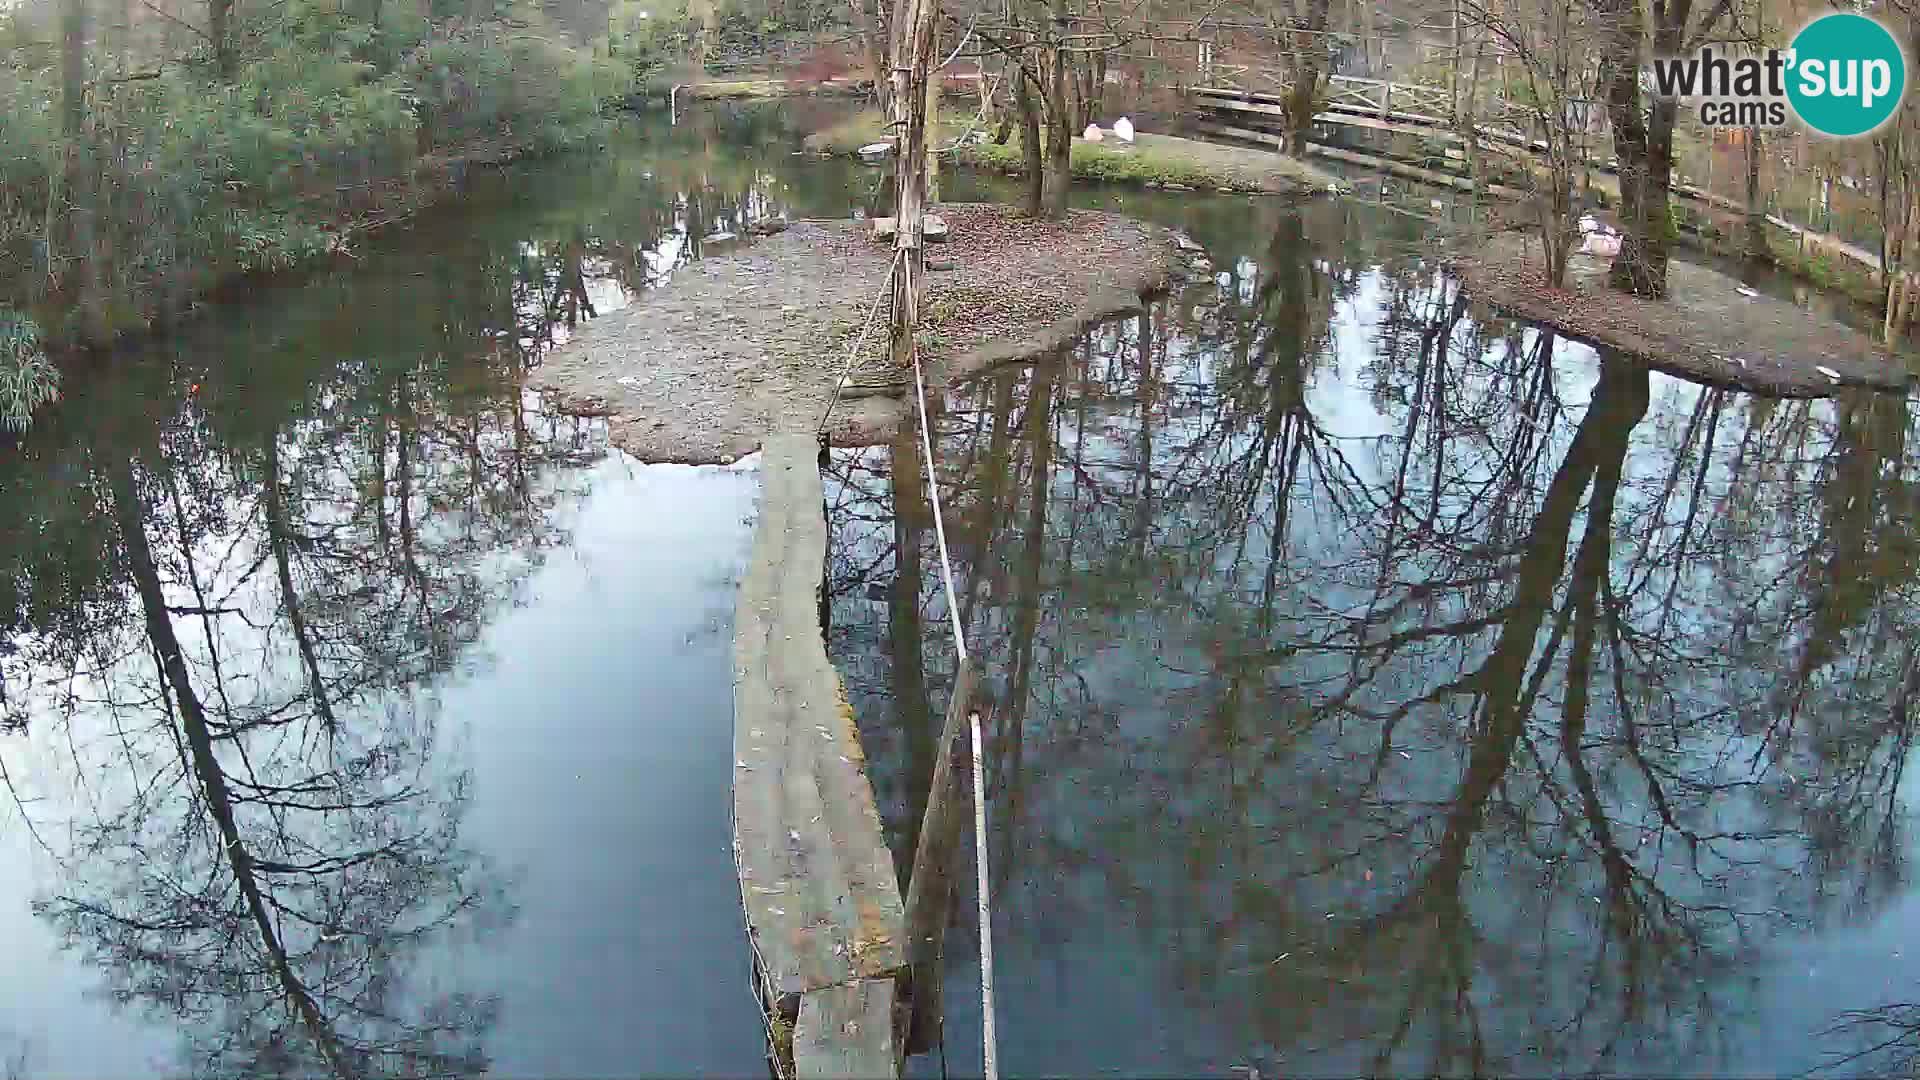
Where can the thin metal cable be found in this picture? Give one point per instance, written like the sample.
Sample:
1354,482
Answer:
989,1041
846,367
933,492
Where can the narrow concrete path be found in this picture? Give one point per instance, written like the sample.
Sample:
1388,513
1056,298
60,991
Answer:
822,903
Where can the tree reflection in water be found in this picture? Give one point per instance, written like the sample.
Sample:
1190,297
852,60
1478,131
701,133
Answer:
228,660
1427,695
234,569
272,815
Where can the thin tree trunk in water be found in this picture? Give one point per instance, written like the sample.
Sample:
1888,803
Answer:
1039,424
1030,153
1757,249
218,798
930,882
907,660
277,539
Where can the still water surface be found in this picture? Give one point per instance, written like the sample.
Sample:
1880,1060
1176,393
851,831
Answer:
363,719
1377,686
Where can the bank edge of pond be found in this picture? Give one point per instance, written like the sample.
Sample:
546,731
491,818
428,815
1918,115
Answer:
391,201
736,348
1153,160
1707,330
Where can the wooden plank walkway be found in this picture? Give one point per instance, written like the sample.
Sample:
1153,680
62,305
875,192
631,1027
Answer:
1259,110
822,902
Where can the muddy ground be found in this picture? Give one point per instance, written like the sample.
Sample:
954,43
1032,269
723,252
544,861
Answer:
735,347
1706,330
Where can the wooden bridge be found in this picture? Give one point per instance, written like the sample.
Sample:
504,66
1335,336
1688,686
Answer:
1429,112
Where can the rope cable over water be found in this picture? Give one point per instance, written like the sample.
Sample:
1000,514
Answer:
853,351
989,1041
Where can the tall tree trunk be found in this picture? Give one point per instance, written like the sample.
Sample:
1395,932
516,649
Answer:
1031,156
930,178
1059,169
871,18
1899,278
75,239
220,29
1643,143
1309,47
913,22
705,15
1757,248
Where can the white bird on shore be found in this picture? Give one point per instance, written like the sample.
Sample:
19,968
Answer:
1123,129
1092,134
1605,245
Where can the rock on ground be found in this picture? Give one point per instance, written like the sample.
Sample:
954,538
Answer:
737,347
1706,330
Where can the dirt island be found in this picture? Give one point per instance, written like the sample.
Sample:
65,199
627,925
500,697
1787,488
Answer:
754,342
1711,328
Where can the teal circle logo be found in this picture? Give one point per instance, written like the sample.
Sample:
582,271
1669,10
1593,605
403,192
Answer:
1846,74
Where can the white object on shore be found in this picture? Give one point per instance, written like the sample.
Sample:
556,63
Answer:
1092,134
933,228
1123,129
1828,372
1744,291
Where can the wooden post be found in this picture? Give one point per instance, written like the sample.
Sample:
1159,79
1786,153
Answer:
1453,69
912,48
930,888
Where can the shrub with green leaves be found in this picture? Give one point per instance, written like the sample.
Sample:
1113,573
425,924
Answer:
176,182
28,379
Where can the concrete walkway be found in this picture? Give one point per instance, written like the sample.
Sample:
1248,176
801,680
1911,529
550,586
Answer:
822,903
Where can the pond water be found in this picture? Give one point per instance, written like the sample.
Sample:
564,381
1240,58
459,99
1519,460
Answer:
1375,686
1378,687
362,718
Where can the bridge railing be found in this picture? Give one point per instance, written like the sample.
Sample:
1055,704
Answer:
1500,119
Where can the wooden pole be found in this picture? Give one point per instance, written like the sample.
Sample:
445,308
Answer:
930,888
912,27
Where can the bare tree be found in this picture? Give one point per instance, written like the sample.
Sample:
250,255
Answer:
1643,129
1551,41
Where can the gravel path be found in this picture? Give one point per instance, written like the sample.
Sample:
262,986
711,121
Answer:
1707,330
736,347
